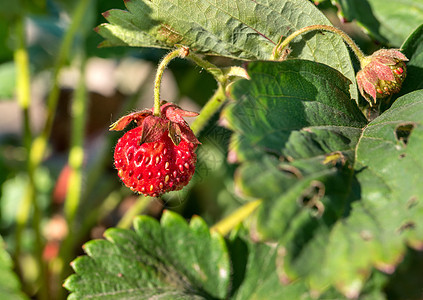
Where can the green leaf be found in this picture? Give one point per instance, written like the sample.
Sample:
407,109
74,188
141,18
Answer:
288,102
254,271
342,197
9,286
170,260
297,127
389,215
177,261
288,119
242,29
413,49
389,21
255,277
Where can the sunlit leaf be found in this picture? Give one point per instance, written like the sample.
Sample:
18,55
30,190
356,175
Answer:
339,195
242,29
171,260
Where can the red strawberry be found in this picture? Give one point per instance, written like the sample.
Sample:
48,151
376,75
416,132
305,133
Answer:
159,155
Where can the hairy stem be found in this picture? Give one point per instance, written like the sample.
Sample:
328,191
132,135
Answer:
159,74
227,224
222,77
284,43
209,67
211,107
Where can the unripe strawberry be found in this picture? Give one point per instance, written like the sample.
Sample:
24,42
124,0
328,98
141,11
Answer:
382,74
158,155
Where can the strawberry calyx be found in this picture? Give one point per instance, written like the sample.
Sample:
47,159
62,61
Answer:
170,120
382,74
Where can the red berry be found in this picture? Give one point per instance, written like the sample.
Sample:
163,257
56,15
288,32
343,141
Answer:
158,156
154,168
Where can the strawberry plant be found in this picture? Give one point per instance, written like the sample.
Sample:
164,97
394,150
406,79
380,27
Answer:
331,187
293,172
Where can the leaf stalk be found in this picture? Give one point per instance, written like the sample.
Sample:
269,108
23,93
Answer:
227,224
208,110
283,43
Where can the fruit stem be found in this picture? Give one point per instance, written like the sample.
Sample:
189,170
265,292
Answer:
222,77
183,52
227,224
180,52
285,42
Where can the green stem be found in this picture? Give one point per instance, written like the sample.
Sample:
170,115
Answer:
211,107
104,209
283,44
40,143
23,86
23,94
227,224
38,148
137,208
23,80
159,74
222,77
28,202
76,155
209,67
235,71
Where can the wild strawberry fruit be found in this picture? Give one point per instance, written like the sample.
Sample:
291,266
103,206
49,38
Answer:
158,155
382,74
